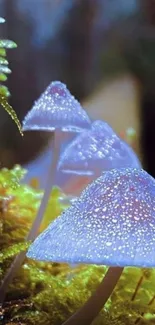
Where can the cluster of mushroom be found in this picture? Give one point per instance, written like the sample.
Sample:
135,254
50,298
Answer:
112,222
97,148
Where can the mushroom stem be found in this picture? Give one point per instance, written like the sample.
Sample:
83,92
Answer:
36,224
50,183
95,303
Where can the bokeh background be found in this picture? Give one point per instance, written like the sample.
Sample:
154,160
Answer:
104,50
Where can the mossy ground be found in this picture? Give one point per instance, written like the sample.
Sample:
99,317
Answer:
46,293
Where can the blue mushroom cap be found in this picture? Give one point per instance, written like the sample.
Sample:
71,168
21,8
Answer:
56,109
96,150
112,223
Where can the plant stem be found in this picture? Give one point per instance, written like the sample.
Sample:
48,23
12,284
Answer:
149,304
95,303
137,288
37,222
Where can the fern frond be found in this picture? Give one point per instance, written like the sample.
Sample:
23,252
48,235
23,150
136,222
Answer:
4,70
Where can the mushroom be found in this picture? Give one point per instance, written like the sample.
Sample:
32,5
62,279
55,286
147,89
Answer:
56,110
112,223
96,150
38,169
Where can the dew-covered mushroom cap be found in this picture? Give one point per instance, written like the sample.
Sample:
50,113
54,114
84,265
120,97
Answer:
56,109
112,223
96,150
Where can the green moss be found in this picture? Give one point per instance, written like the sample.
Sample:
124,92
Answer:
46,293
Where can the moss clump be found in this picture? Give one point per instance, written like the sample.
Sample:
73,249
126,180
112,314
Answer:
46,293
18,207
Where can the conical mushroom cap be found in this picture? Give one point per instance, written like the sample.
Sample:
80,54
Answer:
97,150
112,223
56,109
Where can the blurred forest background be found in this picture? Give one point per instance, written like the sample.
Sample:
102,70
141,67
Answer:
104,50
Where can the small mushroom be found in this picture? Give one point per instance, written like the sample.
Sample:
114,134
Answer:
95,151
56,110
112,223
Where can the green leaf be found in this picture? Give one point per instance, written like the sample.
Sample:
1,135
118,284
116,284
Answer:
4,69
4,92
3,61
7,44
3,77
2,20
2,52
